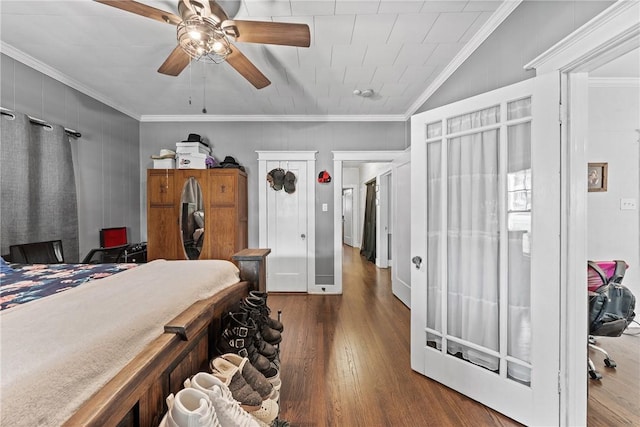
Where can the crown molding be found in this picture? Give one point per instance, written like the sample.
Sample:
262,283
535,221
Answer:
614,81
30,61
272,118
286,155
369,156
503,11
583,49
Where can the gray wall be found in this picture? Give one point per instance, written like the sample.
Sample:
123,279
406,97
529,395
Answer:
242,139
530,30
106,157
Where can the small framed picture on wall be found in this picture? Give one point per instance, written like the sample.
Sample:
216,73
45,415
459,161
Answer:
597,176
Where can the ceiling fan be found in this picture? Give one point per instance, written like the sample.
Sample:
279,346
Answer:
205,33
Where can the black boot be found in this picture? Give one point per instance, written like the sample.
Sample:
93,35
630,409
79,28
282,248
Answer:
263,347
238,337
253,306
273,323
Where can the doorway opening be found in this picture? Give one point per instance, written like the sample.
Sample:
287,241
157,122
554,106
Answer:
352,169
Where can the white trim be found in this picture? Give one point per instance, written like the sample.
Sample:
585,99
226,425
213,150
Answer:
365,156
354,213
272,118
382,207
338,158
286,155
503,11
608,35
614,81
573,172
30,61
310,158
400,288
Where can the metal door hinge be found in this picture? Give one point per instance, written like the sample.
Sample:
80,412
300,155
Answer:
559,384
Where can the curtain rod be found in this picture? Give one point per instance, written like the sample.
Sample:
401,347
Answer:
70,132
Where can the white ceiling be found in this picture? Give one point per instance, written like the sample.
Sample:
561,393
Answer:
400,49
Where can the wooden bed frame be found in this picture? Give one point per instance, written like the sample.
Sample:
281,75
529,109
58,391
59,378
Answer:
136,395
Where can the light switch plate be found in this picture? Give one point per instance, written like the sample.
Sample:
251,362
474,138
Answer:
325,207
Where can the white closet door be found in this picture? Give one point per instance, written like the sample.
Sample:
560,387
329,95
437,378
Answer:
485,212
287,231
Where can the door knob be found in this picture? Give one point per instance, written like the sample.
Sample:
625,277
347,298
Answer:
303,236
417,261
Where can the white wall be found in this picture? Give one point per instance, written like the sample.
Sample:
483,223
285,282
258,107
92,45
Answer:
614,116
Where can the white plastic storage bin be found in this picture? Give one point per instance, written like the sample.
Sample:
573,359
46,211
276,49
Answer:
164,163
192,161
192,148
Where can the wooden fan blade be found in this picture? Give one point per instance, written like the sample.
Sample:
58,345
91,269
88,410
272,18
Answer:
175,63
272,33
143,10
246,68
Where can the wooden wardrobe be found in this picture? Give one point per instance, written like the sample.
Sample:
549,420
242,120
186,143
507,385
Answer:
224,193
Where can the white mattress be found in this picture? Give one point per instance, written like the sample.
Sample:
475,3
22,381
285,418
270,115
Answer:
58,351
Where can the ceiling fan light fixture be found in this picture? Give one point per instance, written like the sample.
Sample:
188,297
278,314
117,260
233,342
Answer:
202,40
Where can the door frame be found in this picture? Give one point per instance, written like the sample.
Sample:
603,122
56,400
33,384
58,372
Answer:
383,219
354,213
310,158
612,33
338,158
400,288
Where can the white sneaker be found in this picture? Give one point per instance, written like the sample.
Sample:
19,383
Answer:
268,411
229,412
189,408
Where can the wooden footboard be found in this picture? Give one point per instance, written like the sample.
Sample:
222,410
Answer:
136,395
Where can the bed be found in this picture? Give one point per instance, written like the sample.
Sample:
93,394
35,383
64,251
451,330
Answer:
88,356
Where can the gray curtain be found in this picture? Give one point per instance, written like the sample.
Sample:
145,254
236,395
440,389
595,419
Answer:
38,186
368,249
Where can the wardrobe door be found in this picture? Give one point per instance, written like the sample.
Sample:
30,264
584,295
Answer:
227,187
162,224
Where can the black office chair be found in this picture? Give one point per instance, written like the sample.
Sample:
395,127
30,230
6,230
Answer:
113,254
611,310
49,252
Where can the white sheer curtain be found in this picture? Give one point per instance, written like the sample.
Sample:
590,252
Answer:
466,214
473,233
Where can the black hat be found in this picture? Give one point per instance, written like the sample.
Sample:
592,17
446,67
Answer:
194,137
228,160
276,178
289,182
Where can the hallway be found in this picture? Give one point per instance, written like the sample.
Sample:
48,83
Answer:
345,360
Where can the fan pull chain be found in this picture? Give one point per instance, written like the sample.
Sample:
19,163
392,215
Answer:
190,88
204,92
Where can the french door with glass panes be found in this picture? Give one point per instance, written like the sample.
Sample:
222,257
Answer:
485,219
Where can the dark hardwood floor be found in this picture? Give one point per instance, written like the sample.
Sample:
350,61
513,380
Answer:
345,362
615,400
